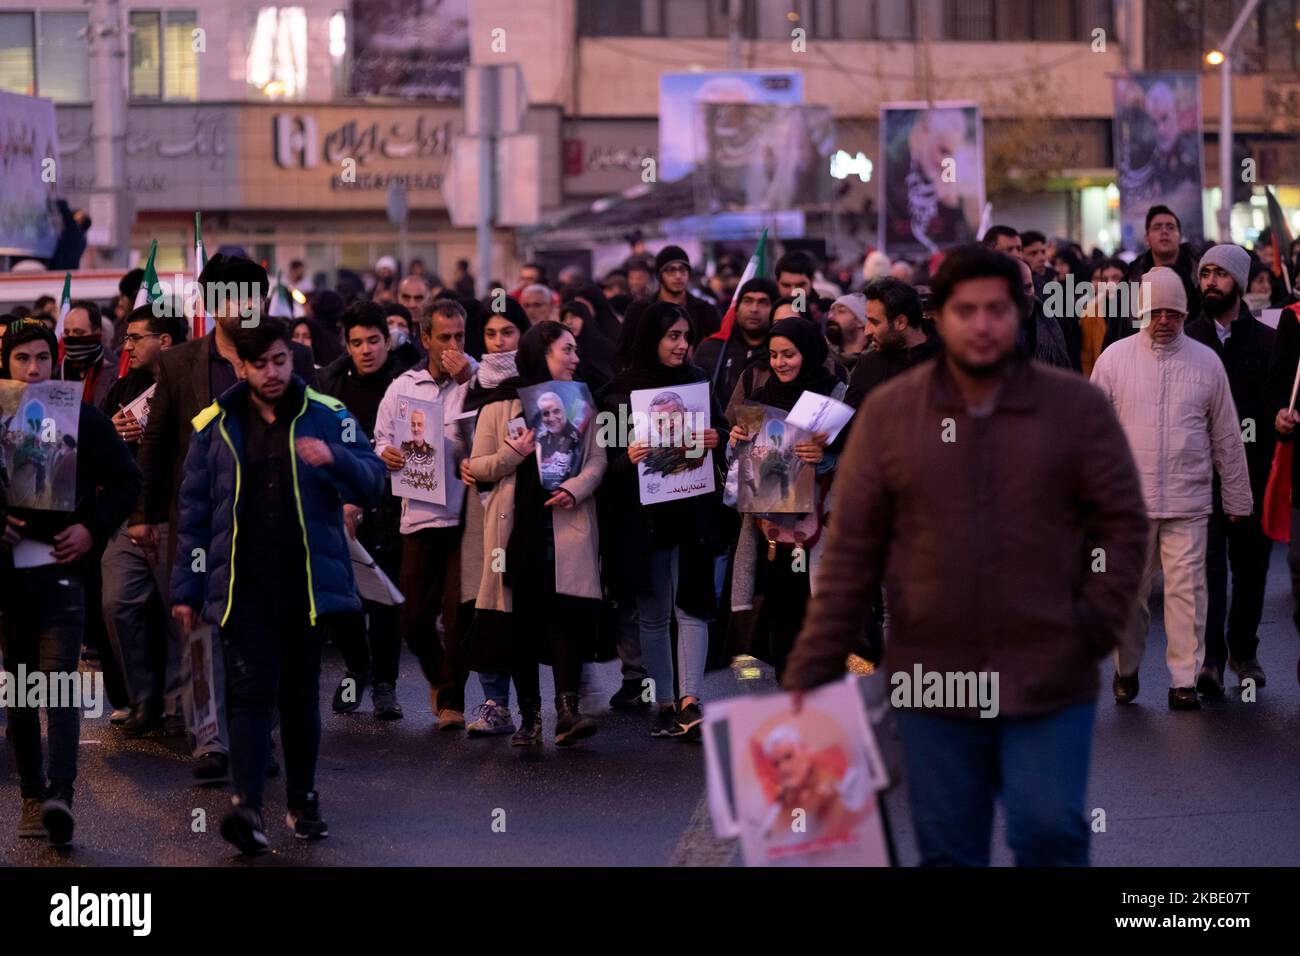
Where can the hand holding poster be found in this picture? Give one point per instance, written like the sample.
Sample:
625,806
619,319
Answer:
670,420
799,789
771,479
138,409
38,441
819,413
420,439
559,414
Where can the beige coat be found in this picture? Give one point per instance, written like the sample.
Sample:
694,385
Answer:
577,541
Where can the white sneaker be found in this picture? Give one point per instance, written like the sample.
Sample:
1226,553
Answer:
491,719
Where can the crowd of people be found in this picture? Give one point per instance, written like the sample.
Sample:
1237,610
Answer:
1000,513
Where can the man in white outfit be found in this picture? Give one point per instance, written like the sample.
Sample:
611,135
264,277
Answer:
1172,398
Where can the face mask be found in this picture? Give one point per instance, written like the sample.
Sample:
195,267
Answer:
398,337
82,350
1257,301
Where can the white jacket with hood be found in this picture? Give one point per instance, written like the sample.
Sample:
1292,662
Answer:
1176,408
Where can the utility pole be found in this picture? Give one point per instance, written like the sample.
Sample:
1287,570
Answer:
1222,57
108,118
488,127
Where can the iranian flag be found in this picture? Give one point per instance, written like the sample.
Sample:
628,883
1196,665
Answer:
150,289
757,266
1275,516
281,299
200,260
65,305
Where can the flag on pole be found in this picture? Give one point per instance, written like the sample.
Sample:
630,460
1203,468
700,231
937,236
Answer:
1279,235
281,299
756,266
1275,516
65,305
200,260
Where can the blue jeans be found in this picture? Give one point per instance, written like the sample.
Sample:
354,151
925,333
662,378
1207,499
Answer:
496,688
1038,766
655,605
41,627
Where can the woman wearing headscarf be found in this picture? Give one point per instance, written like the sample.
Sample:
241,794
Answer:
661,555
501,335
539,593
765,562
594,350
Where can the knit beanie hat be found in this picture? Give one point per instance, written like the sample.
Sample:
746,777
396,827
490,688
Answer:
1233,260
670,254
1162,288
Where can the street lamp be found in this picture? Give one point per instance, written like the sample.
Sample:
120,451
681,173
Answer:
1222,57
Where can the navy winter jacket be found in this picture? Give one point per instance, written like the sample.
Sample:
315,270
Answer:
210,505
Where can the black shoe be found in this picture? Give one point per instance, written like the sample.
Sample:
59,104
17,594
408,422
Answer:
629,696
174,725
347,696
243,827
1125,688
689,721
665,724
1210,684
145,717
1184,698
530,724
384,697
212,768
304,818
1248,670
570,725
56,817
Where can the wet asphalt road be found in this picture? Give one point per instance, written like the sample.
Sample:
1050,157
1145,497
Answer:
1218,787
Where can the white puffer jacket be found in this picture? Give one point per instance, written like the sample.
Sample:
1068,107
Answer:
1177,411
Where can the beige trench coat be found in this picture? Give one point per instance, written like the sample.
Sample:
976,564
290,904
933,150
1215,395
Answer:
577,540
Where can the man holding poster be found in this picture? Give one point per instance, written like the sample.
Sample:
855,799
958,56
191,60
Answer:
417,437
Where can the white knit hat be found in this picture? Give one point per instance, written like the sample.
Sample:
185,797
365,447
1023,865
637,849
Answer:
1162,288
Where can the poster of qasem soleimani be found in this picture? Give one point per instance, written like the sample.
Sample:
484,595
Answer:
670,420
559,414
932,176
38,435
420,439
1158,157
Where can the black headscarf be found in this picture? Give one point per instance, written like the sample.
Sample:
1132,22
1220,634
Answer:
595,351
813,375
607,323
644,370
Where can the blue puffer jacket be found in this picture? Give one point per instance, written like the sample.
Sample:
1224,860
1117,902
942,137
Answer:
210,503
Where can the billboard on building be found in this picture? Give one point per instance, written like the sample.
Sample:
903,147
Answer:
410,48
931,176
683,140
761,157
1158,157
29,147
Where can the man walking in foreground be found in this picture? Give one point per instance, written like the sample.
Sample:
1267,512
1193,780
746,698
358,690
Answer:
957,490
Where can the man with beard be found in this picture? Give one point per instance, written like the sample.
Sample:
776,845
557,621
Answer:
846,329
558,439
894,336
748,333
983,425
1245,346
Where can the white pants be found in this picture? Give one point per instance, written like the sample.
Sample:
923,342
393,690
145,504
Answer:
1177,547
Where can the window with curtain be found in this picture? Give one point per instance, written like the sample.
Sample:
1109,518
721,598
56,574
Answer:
64,60
180,59
276,63
18,53
146,54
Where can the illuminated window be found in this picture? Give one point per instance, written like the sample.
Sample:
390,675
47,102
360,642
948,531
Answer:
17,53
164,63
276,63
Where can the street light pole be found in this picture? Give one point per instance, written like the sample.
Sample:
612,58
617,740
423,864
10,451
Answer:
1225,121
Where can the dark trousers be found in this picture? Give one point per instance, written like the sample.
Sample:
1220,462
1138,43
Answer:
272,657
371,641
430,582
551,625
42,618
1243,546
1293,560
785,598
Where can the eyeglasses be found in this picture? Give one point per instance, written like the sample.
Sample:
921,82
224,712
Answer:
677,270
135,337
